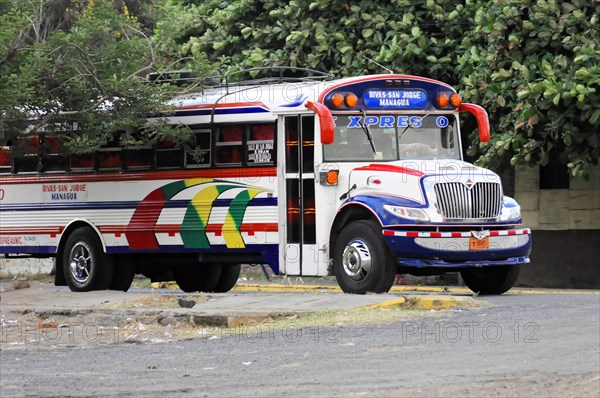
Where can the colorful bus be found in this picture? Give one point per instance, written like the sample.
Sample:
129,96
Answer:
362,178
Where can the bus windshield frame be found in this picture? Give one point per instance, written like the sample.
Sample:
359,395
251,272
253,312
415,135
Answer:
394,137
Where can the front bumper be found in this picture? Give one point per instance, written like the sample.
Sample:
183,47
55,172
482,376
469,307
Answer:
452,249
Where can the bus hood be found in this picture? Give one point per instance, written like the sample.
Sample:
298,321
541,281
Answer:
446,189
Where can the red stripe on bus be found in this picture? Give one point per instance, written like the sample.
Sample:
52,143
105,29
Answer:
217,228
246,227
112,229
259,227
237,172
138,235
390,168
228,105
31,231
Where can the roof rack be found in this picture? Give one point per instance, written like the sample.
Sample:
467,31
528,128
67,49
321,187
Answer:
176,77
282,74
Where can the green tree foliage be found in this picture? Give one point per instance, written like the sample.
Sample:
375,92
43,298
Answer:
534,65
537,70
82,60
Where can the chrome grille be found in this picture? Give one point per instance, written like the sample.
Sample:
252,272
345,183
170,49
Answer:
456,201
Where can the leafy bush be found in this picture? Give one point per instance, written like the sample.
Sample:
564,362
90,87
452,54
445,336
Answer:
534,65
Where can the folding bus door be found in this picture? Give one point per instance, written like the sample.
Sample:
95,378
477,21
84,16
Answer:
298,208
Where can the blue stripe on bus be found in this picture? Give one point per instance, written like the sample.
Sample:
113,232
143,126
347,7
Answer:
126,250
28,249
222,111
121,205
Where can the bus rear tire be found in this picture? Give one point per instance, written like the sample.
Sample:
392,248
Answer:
86,266
362,262
228,278
197,278
491,279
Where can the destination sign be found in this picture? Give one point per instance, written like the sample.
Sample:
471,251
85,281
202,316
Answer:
395,99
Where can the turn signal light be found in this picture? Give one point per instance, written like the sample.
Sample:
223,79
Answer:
329,177
332,177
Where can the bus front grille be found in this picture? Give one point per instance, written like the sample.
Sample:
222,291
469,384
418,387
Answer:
457,201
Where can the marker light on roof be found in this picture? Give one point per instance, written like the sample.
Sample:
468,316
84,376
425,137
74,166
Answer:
337,100
351,100
455,100
442,100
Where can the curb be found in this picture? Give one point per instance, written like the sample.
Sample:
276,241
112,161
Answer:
162,317
186,316
399,289
281,287
397,302
272,287
423,302
437,302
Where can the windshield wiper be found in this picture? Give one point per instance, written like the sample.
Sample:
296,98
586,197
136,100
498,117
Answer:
410,125
367,131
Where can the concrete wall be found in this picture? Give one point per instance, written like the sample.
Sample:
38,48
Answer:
13,267
566,230
558,209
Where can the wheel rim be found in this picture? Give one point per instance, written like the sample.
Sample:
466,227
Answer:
81,263
356,260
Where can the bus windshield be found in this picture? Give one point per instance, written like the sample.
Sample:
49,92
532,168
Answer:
393,137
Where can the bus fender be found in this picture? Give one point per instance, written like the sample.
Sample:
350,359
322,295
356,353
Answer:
349,212
73,225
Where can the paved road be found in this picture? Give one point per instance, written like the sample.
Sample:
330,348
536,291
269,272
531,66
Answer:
523,345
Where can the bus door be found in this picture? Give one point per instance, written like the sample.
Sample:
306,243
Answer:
297,232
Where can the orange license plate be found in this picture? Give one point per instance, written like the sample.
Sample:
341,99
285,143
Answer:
479,244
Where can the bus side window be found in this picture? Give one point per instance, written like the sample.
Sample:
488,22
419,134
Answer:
261,144
26,154
198,155
6,157
229,146
82,162
168,155
53,158
138,158
109,157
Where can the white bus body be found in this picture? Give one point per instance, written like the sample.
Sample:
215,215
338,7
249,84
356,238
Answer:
361,177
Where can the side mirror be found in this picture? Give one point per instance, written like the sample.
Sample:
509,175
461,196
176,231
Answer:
325,120
483,123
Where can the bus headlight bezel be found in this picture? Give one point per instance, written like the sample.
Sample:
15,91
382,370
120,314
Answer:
409,213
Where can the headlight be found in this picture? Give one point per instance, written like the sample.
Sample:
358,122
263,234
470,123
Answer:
410,213
511,211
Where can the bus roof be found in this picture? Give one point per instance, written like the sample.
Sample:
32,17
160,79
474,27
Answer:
263,102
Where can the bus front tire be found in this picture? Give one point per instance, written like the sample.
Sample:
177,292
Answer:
491,279
228,278
197,278
86,266
362,262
